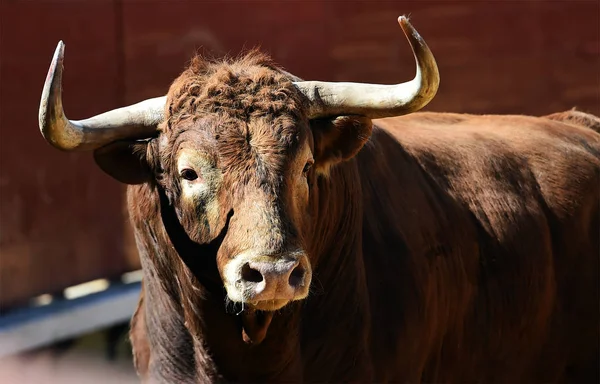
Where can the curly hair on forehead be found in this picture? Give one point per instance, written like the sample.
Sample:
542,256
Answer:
241,88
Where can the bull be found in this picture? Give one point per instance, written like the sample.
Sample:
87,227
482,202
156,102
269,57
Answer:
307,231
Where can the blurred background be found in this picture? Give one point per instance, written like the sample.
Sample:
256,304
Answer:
68,280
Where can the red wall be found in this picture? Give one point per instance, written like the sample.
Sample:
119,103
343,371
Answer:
62,221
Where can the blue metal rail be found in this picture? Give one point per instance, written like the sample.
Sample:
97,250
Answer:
32,327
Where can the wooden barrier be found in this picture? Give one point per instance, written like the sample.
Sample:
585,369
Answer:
63,222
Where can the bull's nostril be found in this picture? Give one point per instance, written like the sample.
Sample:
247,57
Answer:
296,276
250,274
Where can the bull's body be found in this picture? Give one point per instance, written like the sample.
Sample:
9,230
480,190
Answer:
452,248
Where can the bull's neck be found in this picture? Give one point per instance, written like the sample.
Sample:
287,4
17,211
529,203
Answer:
337,218
338,305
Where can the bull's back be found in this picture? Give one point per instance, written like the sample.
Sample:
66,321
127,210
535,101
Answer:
484,231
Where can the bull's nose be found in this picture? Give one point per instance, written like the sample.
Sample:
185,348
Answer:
264,280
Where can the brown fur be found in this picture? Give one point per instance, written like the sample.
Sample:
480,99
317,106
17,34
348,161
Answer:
451,248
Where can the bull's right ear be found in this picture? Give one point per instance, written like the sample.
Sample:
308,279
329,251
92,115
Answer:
125,161
339,139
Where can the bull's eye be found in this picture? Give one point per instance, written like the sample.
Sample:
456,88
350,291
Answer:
189,174
307,167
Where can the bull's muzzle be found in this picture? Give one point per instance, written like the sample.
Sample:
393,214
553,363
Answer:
267,283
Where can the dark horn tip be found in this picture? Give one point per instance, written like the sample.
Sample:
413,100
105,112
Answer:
409,30
405,23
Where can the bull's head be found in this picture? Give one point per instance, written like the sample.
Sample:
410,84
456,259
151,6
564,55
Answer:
241,137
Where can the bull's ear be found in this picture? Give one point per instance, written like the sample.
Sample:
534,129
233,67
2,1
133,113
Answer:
125,161
339,139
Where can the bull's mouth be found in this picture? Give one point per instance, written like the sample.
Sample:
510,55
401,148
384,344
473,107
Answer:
255,324
256,319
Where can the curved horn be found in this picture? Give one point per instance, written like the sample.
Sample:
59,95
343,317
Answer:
137,121
375,100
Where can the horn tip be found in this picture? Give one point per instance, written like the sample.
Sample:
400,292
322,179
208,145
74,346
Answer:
410,31
59,52
403,20
57,58
51,89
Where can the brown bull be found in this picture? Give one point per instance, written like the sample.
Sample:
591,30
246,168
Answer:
285,237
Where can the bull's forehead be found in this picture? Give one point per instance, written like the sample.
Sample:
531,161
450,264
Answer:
262,148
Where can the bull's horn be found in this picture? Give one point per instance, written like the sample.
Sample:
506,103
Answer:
375,100
137,121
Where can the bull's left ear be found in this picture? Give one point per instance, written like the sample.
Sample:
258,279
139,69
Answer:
339,139
125,161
